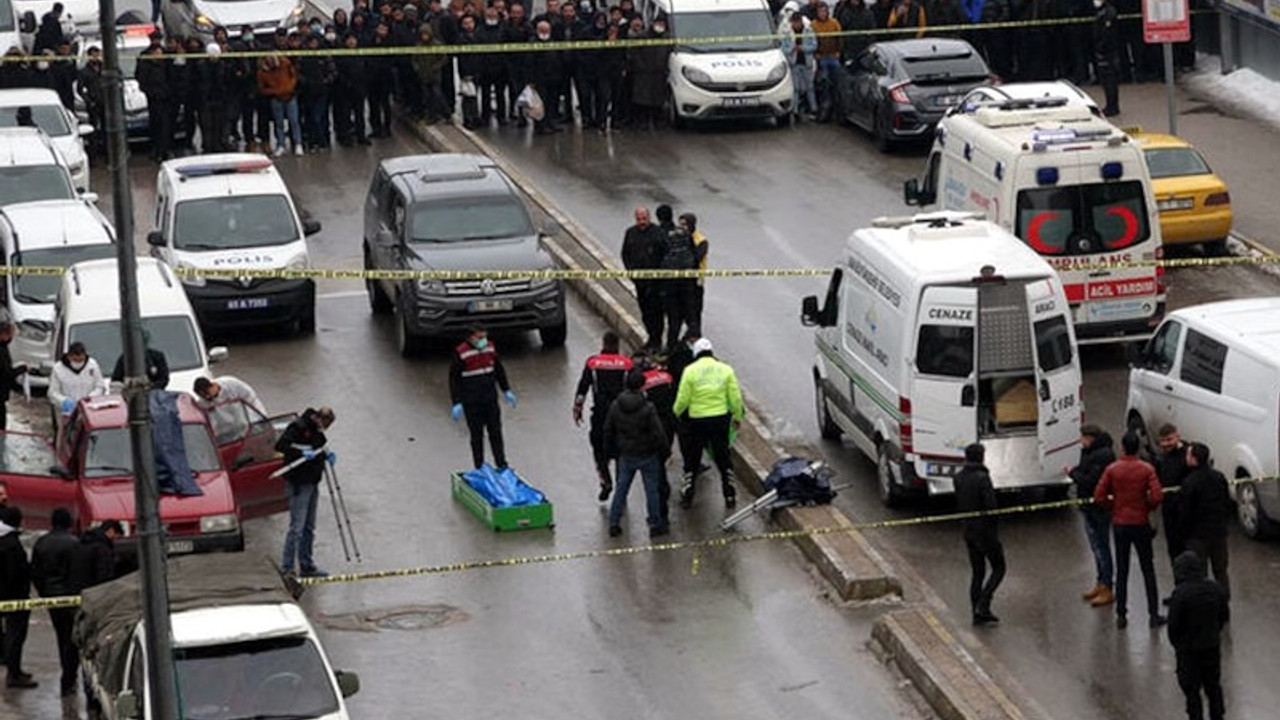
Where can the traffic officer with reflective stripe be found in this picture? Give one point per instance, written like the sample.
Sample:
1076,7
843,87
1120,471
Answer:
475,376
709,393
604,376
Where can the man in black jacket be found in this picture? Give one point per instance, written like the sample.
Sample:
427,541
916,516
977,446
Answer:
350,81
303,442
1171,468
1096,453
153,81
604,376
975,494
633,433
95,562
15,584
643,246
1205,511
1197,612
52,561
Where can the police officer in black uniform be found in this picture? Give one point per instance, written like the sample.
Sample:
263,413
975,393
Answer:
604,376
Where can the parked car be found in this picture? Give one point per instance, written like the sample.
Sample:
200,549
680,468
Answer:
898,90
1194,203
198,18
1059,93
31,168
42,108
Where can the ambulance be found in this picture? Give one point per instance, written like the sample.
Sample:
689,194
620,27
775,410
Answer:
1074,188
938,331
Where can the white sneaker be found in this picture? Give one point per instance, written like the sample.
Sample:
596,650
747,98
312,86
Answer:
297,150
279,151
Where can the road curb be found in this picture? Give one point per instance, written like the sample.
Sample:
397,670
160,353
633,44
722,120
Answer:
927,652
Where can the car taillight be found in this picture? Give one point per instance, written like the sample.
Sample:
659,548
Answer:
904,425
1222,198
898,93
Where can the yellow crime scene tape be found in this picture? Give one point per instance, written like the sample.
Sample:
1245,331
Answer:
696,546
619,44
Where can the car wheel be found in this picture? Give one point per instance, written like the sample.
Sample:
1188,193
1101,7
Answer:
889,491
1253,519
307,321
828,429
407,342
379,303
554,336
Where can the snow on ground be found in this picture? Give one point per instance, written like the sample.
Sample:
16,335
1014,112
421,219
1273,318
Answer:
1243,92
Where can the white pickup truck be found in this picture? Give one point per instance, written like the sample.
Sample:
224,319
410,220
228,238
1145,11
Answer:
242,647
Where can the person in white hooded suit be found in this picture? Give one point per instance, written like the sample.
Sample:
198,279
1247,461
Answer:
74,376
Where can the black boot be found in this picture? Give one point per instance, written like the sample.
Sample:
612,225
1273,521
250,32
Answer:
687,491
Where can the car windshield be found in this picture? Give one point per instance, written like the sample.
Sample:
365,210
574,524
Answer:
109,455
753,26
173,335
49,118
44,288
473,219
6,16
1175,162
235,221
273,678
1083,219
964,65
25,183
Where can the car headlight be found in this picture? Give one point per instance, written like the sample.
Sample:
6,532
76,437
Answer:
204,21
778,73
695,76
431,287
219,523
298,263
184,274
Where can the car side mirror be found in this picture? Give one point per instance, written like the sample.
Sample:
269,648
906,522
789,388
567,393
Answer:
155,238
27,23
218,354
348,682
310,227
60,472
126,705
90,197
911,192
242,461
86,129
809,312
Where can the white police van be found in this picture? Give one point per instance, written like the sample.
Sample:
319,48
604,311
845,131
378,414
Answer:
747,77
1071,185
939,331
233,211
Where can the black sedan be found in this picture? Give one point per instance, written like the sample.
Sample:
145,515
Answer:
899,90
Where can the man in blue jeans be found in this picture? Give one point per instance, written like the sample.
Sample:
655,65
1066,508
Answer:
1096,453
303,442
633,433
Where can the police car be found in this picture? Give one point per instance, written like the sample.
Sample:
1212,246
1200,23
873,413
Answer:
232,211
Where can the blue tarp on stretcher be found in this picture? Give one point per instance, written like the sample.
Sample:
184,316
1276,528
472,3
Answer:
502,488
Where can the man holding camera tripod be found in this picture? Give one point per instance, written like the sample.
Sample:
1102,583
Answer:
303,446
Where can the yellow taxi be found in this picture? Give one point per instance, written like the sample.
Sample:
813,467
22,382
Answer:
1194,203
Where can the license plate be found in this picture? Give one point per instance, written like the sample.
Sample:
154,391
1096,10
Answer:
247,303
741,101
946,100
490,305
1177,204
180,547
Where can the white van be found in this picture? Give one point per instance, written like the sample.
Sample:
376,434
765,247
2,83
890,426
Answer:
748,78
1073,187
232,211
50,233
1214,371
88,310
939,331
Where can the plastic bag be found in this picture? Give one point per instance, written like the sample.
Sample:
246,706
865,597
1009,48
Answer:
531,102
502,488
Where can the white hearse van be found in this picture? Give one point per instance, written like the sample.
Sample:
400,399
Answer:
1213,370
745,78
938,331
1071,185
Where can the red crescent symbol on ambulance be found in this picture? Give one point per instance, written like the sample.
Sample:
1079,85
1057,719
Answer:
1033,233
1130,227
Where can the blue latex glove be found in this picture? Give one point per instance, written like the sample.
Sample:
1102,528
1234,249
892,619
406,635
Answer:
309,454
68,405
456,412
331,457
511,398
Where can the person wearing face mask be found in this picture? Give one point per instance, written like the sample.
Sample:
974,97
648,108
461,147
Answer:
546,79
42,75
75,376
1106,55
475,376
648,68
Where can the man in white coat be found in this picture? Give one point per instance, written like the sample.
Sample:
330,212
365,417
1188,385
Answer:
74,376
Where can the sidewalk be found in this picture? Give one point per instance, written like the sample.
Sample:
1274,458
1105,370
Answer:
1243,151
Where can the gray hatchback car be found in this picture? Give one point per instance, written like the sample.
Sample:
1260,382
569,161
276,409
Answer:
456,212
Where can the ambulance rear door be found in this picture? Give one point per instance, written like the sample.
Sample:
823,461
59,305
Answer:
1058,381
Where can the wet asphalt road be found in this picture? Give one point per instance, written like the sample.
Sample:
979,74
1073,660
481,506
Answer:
768,198
743,633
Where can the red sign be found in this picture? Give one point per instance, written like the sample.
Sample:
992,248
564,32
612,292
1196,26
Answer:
1165,21
1110,290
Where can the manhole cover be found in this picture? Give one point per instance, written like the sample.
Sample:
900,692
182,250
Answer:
409,617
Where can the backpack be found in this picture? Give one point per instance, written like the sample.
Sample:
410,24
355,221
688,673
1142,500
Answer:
679,255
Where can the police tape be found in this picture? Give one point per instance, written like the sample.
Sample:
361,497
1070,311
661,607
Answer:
698,547
619,44
617,273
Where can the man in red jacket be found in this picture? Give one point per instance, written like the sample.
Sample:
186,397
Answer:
1130,488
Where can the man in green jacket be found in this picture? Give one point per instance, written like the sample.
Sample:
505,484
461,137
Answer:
710,402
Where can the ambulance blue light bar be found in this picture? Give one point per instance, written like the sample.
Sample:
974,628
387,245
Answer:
1042,138
1112,170
229,167
1047,176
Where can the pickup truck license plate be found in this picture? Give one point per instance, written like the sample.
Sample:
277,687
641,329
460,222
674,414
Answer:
180,547
490,305
748,101
247,303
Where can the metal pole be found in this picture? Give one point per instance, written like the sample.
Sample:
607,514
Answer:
1169,88
151,560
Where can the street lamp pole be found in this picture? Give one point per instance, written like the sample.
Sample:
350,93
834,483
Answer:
163,689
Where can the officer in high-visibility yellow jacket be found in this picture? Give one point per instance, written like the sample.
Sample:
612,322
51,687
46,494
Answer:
710,402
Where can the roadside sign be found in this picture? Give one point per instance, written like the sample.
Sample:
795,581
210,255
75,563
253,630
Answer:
1165,21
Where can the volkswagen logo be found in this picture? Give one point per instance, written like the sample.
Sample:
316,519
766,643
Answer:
488,287
245,282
